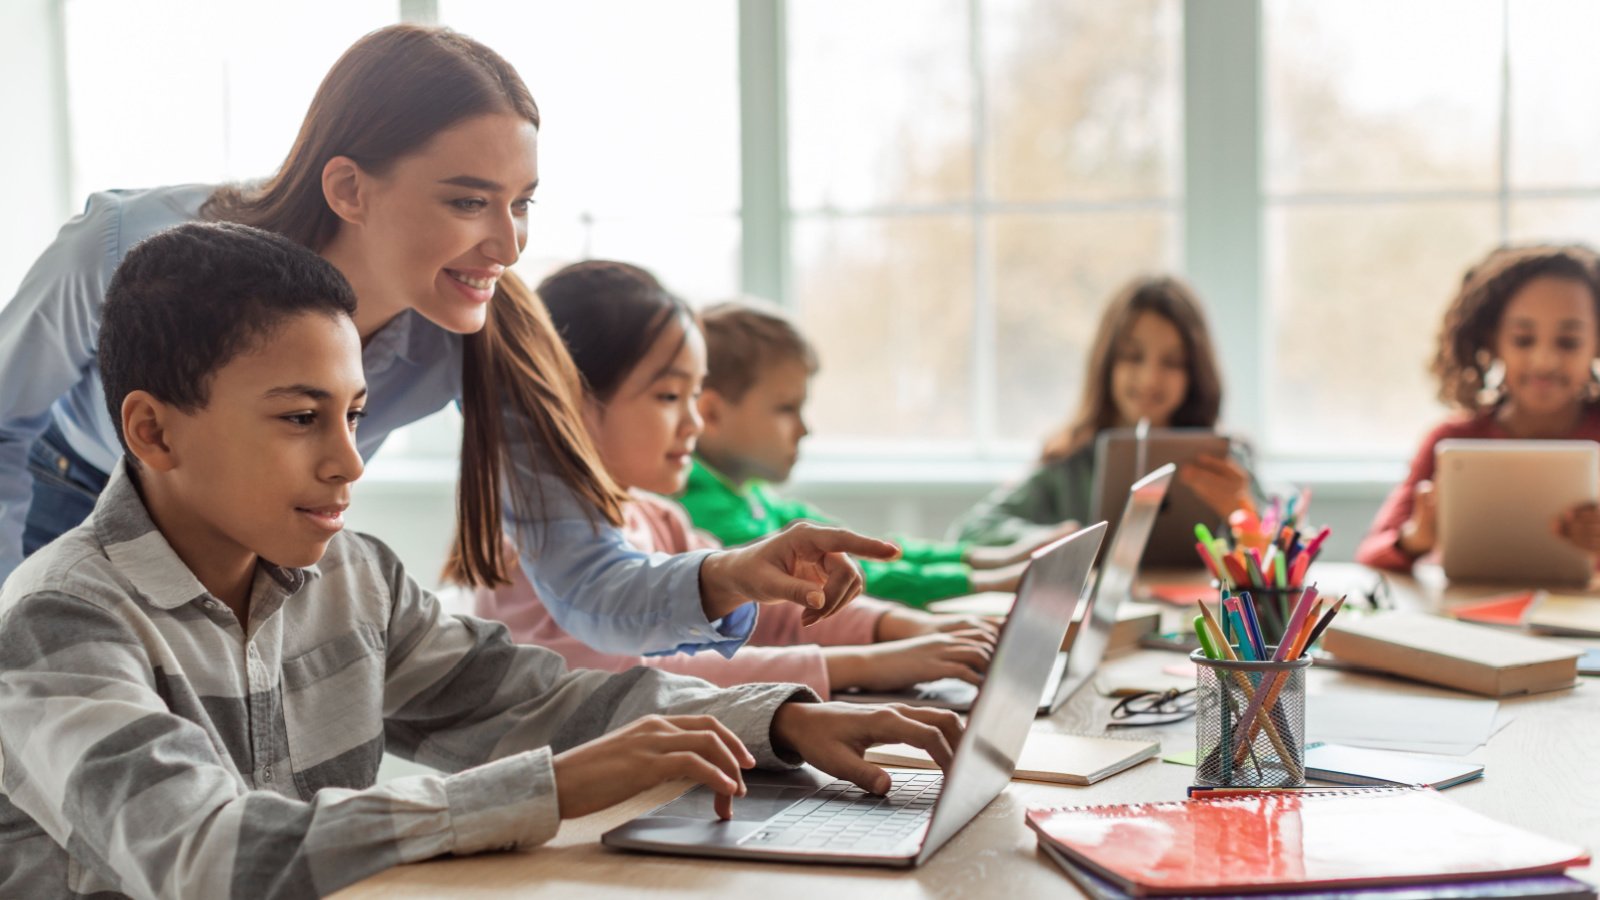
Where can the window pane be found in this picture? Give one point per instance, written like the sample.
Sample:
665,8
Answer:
697,258
888,303
639,99
1554,70
1351,106
213,95
1052,277
880,103
1084,98
1357,296
1556,221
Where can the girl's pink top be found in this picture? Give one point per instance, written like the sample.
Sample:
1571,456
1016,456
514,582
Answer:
781,649
1381,546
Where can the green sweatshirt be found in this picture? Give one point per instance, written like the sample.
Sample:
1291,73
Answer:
738,514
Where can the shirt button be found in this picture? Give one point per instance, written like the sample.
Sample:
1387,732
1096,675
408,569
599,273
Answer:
253,653
266,774
213,604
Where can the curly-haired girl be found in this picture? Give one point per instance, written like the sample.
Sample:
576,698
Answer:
1517,356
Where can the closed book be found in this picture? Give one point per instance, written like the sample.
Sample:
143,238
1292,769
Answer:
1565,614
1057,758
1339,764
1440,651
1295,842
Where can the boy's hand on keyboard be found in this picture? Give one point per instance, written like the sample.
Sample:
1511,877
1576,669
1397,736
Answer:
805,563
644,753
900,664
834,737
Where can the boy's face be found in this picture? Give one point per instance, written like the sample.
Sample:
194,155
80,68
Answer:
266,467
760,435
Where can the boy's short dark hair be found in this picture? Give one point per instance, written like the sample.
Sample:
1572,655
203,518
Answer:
187,300
743,338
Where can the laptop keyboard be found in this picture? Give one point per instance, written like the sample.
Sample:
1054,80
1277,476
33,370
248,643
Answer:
843,817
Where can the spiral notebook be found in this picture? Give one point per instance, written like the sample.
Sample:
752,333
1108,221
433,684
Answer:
1279,842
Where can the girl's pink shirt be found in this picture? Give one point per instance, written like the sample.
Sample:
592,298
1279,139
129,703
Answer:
781,649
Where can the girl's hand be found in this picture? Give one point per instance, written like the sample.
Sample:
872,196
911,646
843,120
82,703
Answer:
1219,482
1580,526
1420,533
834,737
899,624
900,664
1019,551
805,564
644,753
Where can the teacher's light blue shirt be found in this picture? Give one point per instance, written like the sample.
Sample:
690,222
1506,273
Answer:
596,585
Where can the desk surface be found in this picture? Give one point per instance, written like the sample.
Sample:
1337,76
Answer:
1543,774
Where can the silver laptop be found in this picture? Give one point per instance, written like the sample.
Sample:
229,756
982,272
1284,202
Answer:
1497,499
1096,618
805,816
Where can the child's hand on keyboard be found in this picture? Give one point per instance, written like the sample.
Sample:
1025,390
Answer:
610,769
834,737
901,664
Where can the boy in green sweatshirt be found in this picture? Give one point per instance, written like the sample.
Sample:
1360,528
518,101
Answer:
759,369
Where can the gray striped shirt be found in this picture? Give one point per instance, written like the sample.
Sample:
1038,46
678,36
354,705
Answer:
151,746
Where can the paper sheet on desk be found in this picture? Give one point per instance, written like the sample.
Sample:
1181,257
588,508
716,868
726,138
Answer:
1445,726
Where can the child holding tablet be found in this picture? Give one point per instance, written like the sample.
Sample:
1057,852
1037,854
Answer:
1517,355
1152,360
642,358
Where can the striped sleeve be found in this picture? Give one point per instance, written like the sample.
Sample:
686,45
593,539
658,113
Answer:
145,803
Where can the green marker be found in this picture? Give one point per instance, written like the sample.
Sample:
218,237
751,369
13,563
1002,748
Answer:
1204,634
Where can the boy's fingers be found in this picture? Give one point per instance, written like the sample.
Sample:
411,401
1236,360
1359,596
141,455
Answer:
894,726
946,721
684,764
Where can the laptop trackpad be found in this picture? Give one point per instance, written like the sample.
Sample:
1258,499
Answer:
769,794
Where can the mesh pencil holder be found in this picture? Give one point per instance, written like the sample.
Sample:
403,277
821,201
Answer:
1250,722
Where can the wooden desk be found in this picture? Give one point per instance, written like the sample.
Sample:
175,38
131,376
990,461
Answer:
1543,774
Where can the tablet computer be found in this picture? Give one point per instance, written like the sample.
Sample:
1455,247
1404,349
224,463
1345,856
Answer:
1120,459
1497,499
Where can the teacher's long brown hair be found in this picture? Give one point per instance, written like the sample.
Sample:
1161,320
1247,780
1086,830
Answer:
391,92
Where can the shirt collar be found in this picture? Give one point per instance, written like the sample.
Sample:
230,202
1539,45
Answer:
390,343
711,478
138,549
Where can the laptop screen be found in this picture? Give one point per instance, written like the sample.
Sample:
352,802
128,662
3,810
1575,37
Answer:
1117,572
1029,641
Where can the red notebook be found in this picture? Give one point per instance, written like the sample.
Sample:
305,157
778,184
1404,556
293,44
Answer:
1268,841
1506,609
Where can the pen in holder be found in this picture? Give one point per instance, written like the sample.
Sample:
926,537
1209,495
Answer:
1273,606
1250,721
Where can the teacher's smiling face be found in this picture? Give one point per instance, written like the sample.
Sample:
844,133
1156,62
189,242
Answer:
435,230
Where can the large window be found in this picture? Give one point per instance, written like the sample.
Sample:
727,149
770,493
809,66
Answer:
946,192
968,182
1392,165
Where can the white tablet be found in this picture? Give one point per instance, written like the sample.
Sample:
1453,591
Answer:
1497,500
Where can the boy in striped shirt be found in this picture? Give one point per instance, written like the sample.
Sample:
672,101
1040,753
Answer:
198,683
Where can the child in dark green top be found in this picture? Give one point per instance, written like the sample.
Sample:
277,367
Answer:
1152,359
759,367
